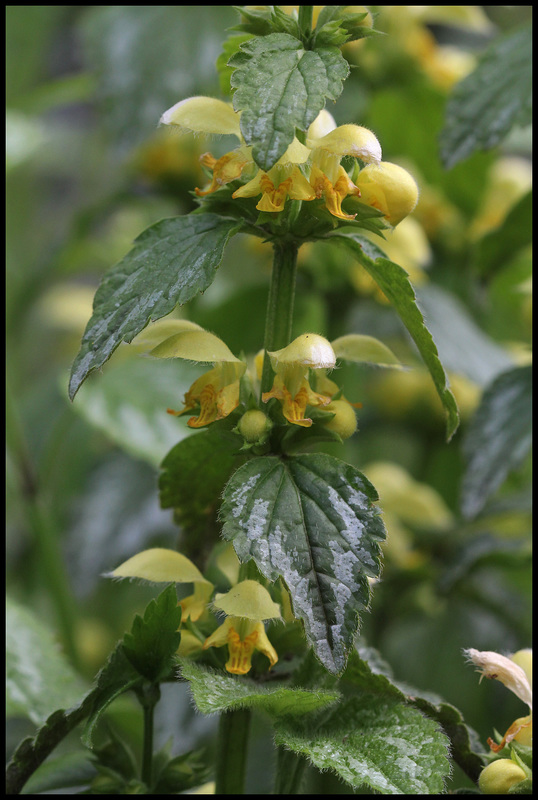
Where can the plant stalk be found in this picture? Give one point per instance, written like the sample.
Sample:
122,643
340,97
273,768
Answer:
232,752
149,697
279,317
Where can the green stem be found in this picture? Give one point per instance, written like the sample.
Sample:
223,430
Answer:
305,20
232,752
149,697
279,317
289,772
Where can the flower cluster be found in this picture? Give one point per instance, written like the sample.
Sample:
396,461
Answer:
246,606
300,377
306,171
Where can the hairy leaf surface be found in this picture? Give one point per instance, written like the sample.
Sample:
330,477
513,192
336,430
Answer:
170,263
312,520
279,87
217,692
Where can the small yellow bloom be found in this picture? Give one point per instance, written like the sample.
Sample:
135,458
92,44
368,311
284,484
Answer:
217,391
275,186
329,144
291,386
499,776
247,604
159,565
389,188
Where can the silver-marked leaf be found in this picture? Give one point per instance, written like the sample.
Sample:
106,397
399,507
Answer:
496,96
377,742
394,283
279,87
312,520
498,438
170,263
217,692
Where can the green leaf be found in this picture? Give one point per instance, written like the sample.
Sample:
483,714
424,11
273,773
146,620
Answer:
499,246
154,639
217,692
229,48
116,677
67,771
194,474
394,283
496,96
374,741
463,740
279,87
170,263
39,679
311,520
128,403
498,438
367,672
182,772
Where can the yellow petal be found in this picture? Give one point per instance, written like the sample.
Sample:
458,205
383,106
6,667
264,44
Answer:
308,350
350,140
195,604
160,565
389,188
322,125
195,345
248,599
360,348
189,644
264,645
203,115
219,637
159,331
296,153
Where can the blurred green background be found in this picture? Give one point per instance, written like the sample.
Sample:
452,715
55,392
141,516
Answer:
88,170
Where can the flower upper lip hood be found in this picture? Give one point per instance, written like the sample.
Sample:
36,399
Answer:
503,669
515,672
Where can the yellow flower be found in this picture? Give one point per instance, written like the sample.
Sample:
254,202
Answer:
515,672
389,188
217,391
209,116
321,157
246,605
329,144
159,565
291,386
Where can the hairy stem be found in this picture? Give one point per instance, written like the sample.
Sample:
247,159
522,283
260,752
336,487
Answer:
279,317
232,752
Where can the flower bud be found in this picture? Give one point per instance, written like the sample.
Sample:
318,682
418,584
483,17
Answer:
499,776
254,426
344,422
389,188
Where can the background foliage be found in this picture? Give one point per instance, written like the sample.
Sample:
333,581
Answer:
87,172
